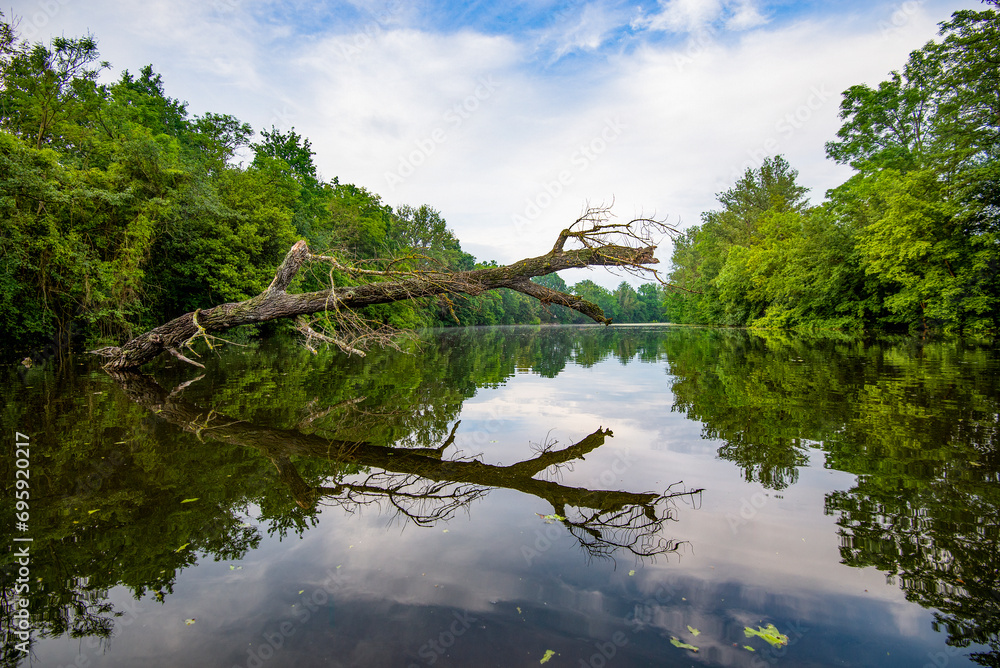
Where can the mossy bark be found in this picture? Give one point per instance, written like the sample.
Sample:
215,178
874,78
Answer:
275,302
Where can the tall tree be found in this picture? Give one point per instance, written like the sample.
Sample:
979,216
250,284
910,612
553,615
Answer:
716,260
924,205
48,91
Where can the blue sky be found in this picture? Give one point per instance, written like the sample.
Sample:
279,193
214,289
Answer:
510,117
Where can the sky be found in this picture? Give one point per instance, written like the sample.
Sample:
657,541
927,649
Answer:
510,118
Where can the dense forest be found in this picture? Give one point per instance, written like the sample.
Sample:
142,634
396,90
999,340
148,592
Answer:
122,210
909,241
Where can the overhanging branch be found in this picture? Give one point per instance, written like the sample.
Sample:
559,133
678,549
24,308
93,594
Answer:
607,244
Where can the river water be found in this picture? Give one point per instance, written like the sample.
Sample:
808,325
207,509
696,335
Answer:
576,496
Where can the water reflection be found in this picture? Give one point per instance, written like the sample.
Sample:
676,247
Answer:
128,497
138,479
916,422
418,483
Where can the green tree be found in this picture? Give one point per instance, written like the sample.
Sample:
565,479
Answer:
893,124
147,105
228,237
48,93
923,205
596,294
629,306
718,260
422,227
650,298
361,222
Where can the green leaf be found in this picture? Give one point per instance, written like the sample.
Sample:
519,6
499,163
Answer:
190,500
182,547
749,648
548,655
770,634
553,516
694,631
683,645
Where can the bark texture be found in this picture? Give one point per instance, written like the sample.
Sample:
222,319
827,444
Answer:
275,302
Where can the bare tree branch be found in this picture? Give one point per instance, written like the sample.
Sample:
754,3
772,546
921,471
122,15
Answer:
628,246
420,485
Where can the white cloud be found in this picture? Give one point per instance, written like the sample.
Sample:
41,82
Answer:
745,15
583,28
685,118
692,16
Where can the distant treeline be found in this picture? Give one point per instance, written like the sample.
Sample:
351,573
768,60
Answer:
910,241
120,210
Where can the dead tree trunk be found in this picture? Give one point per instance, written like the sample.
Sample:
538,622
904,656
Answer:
276,303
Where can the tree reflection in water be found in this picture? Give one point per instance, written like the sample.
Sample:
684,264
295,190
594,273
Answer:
917,422
419,484
120,464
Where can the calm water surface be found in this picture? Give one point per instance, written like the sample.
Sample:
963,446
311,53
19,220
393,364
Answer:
597,496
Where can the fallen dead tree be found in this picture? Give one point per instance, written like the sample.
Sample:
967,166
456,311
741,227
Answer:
600,242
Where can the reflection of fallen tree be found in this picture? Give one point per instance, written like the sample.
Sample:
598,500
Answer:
424,488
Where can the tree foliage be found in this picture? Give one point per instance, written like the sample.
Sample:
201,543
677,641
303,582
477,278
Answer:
909,241
121,209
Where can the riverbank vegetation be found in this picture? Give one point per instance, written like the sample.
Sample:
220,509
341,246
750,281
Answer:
122,210
909,241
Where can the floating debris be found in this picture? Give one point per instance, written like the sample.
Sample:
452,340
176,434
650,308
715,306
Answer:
770,634
683,645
